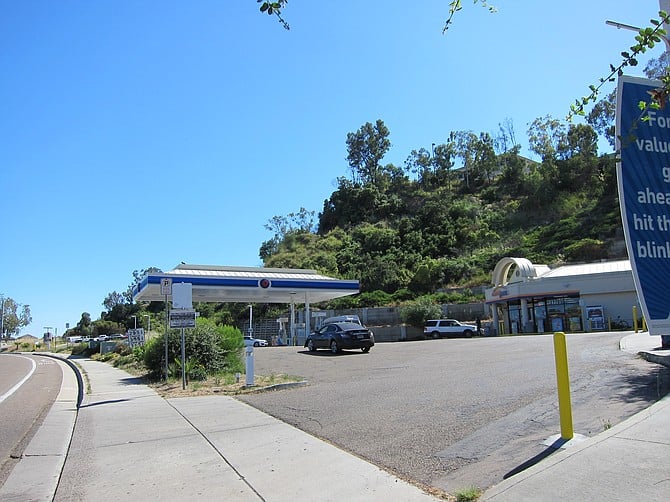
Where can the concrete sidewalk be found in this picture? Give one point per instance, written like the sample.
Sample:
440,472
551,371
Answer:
131,444
630,461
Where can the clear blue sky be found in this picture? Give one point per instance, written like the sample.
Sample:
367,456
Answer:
145,133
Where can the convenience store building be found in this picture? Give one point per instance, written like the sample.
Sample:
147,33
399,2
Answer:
529,298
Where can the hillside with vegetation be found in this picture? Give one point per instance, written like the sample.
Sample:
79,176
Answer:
445,217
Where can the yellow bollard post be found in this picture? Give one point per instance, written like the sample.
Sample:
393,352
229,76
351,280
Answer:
563,384
635,318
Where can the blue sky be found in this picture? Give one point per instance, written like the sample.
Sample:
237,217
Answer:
145,133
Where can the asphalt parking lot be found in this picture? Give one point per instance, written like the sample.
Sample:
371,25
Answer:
456,413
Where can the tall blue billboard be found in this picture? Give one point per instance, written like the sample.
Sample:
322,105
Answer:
643,174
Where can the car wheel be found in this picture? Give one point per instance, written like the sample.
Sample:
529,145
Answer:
310,346
365,349
256,344
333,347
436,335
468,333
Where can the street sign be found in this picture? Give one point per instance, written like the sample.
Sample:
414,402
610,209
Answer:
135,337
166,286
182,318
182,295
643,175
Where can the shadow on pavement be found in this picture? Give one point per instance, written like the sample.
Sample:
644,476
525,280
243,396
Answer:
134,381
531,462
111,401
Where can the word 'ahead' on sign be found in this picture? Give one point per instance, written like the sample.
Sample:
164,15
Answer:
643,173
182,318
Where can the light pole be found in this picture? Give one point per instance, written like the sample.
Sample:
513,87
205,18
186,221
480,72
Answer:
148,322
663,5
134,319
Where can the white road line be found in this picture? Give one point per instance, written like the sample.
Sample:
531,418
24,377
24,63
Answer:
23,380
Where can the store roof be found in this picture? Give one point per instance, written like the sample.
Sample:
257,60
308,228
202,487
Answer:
589,268
222,284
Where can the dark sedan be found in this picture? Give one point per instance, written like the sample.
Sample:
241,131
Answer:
341,335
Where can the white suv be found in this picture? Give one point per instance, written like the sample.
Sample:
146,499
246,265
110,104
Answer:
437,328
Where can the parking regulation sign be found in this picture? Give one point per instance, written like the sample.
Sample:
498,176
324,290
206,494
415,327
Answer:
643,174
166,286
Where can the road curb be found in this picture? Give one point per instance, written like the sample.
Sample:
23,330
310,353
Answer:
655,358
38,472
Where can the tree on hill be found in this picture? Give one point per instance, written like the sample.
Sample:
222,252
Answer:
365,150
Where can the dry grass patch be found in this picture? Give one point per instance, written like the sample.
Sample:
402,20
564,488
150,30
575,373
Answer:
225,384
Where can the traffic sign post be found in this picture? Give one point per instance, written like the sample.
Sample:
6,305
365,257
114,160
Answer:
182,318
166,286
643,174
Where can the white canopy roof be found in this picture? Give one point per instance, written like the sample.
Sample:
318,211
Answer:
244,284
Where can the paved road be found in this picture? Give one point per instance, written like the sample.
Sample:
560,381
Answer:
460,412
23,405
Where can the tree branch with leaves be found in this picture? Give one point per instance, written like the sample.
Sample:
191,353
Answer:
274,9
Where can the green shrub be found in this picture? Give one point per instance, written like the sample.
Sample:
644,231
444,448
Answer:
107,356
403,295
212,347
138,352
122,361
375,298
470,494
197,372
415,313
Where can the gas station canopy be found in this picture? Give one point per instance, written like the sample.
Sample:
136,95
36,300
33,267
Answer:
243,284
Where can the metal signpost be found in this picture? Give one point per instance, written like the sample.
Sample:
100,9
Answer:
182,318
643,174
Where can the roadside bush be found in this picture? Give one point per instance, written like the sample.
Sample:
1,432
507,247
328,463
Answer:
107,356
198,372
122,361
138,353
215,348
415,313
